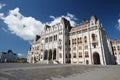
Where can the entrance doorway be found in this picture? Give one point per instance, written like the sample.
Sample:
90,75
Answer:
96,58
54,54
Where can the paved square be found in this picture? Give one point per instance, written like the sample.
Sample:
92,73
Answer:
10,71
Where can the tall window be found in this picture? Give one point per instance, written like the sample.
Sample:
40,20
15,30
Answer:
93,37
80,47
118,47
80,54
74,48
86,54
69,42
114,48
80,40
60,55
50,39
55,37
74,55
75,41
46,39
85,39
85,47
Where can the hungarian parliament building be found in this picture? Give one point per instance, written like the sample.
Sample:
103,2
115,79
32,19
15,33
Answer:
86,43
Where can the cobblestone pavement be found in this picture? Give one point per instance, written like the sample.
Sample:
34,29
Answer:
47,72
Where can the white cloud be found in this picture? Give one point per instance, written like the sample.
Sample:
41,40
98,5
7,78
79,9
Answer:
118,25
19,55
5,30
28,27
52,17
2,5
24,27
1,15
69,17
119,22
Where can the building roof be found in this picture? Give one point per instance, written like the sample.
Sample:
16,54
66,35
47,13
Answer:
115,40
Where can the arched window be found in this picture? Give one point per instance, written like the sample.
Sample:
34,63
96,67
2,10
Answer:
80,54
80,40
93,37
80,47
75,41
115,58
118,47
114,48
86,54
60,55
69,55
74,55
86,47
115,53
85,39
87,61
74,48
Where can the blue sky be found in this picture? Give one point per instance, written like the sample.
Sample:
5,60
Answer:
20,20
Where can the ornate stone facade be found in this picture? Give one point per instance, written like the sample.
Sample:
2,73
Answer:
86,43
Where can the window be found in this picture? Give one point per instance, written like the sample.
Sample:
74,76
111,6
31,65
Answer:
74,48
115,53
80,47
93,37
38,48
95,44
86,54
69,55
74,55
50,39
114,48
46,39
80,40
69,42
87,62
86,47
56,37
60,55
118,47
85,39
115,58
80,54
75,41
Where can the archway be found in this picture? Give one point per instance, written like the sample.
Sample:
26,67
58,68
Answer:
54,54
45,55
96,58
87,62
50,54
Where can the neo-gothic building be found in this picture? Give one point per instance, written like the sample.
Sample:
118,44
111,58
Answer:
116,50
86,43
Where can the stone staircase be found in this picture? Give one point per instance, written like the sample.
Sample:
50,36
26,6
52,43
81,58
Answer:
48,62
43,62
